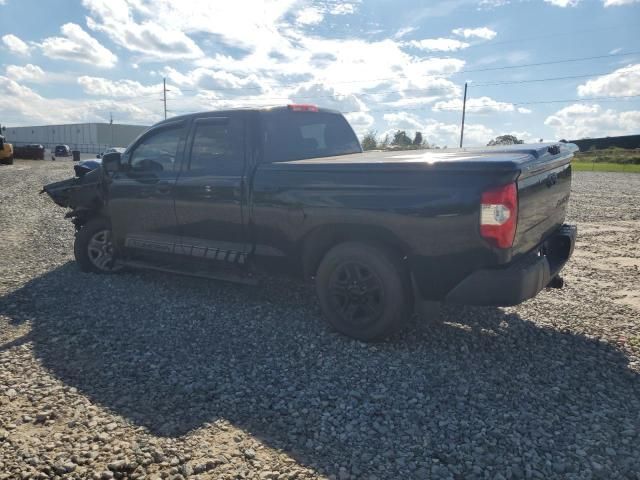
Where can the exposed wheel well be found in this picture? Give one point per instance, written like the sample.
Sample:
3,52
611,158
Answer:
82,216
317,243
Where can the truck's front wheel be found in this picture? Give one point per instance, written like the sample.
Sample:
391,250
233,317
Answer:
363,291
93,247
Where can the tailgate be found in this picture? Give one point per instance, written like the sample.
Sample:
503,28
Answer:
543,197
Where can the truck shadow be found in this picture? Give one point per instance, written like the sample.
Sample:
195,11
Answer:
173,355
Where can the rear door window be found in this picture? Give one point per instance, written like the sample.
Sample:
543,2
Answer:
217,146
299,135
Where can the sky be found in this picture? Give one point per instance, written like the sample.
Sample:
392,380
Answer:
538,69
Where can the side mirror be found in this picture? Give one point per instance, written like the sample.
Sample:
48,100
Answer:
98,155
111,162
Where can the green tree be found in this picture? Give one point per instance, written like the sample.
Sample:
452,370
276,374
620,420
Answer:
401,139
384,144
417,139
369,141
505,140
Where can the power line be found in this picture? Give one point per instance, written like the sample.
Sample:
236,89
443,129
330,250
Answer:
387,92
591,99
515,104
548,35
453,109
472,70
548,79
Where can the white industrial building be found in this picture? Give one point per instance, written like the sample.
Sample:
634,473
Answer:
86,137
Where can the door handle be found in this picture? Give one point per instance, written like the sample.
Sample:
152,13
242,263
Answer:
163,188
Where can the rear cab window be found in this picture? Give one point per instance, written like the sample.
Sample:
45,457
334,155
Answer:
291,135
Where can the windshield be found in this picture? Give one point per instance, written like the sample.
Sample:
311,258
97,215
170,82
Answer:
300,135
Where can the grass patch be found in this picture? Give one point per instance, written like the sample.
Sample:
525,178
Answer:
610,155
582,166
607,160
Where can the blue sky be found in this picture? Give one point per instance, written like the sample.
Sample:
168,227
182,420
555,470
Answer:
388,65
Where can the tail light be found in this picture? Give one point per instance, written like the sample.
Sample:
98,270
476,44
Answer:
302,107
499,215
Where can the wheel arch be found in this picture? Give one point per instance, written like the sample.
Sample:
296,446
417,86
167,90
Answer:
82,216
319,241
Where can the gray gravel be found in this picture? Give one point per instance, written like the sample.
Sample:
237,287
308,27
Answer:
146,375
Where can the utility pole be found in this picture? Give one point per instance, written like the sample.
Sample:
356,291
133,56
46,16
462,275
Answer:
164,92
464,109
111,127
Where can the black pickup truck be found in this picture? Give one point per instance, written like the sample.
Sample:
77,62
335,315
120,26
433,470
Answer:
227,194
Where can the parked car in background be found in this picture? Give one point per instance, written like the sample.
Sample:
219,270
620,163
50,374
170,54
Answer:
6,152
62,151
111,150
224,194
32,151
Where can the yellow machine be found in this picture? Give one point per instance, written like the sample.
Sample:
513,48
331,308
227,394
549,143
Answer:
6,152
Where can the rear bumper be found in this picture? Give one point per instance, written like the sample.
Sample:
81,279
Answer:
520,280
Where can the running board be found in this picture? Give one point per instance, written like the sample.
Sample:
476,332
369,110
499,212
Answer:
211,275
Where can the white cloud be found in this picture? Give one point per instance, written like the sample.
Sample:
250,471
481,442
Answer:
616,3
403,121
15,45
328,98
439,133
360,121
524,110
314,14
27,73
277,52
209,79
358,65
251,24
439,44
591,120
477,134
481,32
479,105
342,9
403,32
309,16
622,82
418,91
120,88
26,107
563,3
153,39
488,4
78,46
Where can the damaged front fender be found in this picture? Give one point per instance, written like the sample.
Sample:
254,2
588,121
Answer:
84,195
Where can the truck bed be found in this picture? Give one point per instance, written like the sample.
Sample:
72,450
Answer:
431,197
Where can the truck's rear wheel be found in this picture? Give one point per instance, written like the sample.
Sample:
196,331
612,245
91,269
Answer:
93,247
363,291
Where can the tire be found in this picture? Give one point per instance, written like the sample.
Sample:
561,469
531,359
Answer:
364,291
93,248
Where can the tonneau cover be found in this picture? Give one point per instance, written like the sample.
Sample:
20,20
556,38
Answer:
524,158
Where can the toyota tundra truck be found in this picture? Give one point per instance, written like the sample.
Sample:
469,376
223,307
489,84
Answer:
229,194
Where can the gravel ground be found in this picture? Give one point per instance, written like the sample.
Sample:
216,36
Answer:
146,375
